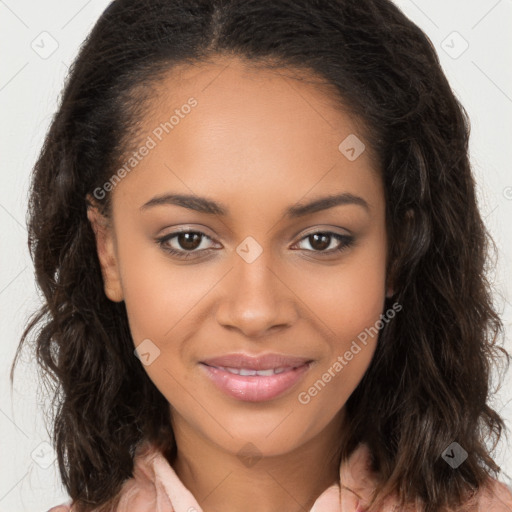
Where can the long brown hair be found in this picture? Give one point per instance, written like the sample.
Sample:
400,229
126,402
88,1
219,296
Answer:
428,384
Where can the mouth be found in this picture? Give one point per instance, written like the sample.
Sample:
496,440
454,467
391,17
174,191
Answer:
255,379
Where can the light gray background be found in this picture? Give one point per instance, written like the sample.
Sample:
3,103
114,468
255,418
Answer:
40,39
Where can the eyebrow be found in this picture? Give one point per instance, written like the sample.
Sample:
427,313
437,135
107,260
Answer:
211,207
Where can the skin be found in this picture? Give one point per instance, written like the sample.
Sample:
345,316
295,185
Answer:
258,142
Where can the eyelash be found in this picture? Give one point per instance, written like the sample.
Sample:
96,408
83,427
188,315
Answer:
348,242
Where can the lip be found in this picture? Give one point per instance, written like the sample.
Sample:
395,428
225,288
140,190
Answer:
261,362
255,388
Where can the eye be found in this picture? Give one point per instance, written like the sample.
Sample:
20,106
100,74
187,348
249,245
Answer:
186,244
321,240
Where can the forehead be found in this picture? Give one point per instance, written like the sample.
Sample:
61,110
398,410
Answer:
251,129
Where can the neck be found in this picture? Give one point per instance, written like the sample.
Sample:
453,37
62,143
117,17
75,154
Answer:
221,480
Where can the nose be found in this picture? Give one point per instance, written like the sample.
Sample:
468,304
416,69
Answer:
255,298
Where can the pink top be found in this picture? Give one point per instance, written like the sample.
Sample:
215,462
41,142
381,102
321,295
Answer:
156,487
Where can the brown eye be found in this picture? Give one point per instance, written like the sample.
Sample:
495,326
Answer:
189,240
322,240
184,244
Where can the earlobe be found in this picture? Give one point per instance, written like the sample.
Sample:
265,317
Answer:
105,248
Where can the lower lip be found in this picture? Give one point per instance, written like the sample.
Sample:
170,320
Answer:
255,388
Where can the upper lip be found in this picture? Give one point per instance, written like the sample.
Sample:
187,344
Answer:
261,362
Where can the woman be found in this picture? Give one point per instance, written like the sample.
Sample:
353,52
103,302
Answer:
255,228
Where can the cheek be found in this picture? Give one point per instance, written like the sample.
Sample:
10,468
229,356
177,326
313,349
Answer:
162,299
157,292
347,307
349,297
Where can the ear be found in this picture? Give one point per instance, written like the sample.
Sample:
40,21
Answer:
106,249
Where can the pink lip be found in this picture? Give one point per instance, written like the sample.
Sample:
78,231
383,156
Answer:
255,388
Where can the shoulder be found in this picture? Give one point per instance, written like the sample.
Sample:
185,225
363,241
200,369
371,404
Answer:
137,492
495,496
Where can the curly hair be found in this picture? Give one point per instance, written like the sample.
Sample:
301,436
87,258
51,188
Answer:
429,382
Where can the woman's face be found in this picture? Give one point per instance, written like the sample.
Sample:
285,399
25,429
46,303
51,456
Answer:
256,154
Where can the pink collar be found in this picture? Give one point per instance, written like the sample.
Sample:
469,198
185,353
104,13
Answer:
156,487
